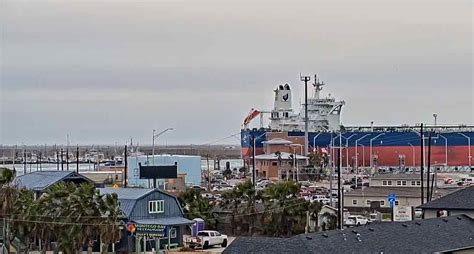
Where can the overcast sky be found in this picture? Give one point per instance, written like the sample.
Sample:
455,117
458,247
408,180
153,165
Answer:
105,71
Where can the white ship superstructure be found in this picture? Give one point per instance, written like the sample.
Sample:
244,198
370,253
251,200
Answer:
323,113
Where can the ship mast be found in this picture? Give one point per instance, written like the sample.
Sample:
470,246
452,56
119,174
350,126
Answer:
318,87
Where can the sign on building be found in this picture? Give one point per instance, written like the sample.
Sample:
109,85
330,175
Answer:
402,213
150,230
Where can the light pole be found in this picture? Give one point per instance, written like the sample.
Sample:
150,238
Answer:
363,155
295,162
153,145
445,149
314,139
306,79
413,150
254,171
356,152
370,149
469,144
435,118
347,150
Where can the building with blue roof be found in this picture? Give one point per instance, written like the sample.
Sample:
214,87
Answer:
39,181
158,213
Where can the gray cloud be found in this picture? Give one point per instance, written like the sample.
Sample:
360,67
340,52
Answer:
103,71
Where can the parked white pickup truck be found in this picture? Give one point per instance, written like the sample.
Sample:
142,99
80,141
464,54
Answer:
208,238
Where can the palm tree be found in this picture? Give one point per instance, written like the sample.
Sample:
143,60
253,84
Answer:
6,175
195,206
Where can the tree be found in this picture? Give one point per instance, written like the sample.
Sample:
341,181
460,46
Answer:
285,213
6,175
70,214
195,206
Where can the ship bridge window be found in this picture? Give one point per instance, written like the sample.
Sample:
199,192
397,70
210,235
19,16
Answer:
287,87
281,87
285,114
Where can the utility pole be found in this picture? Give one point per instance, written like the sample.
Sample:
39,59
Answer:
254,171
428,170
62,159
208,174
421,164
306,79
57,157
125,168
339,196
77,158
24,160
67,153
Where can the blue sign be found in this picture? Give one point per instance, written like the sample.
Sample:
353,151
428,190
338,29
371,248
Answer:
391,199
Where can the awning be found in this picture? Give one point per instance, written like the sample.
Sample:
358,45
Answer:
168,221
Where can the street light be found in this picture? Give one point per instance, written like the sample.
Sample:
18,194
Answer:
413,150
254,172
356,152
295,160
435,118
314,139
469,144
347,150
371,154
445,149
154,137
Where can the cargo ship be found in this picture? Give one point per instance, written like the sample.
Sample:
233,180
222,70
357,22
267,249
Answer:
362,146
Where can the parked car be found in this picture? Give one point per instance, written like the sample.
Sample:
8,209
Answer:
356,220
207,195
197,187
208,238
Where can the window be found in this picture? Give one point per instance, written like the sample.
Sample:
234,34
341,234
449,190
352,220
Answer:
389,182
382,203
156,206
274,163
384,183
173,233
404,183
399,183
396,202
203,234
368,202
354,201
413,183
418,183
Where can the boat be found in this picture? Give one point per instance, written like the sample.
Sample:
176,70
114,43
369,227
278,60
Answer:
368,146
